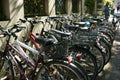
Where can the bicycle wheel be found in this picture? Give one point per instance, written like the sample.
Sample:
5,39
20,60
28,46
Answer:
100,58
107,39
11,72
108,34
60,70
106,50
87,60
5,66
7,70
1,60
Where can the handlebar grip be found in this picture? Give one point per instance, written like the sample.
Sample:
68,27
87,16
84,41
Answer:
1,28
21,27
48,32
18,26
38,21
2,35
23,20
31,21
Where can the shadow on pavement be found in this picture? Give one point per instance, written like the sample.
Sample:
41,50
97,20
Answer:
111,70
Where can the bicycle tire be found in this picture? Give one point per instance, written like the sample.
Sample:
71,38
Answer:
12,71
110,35
107,51
107,39
100,58
73,71
87,61
7,69
1,60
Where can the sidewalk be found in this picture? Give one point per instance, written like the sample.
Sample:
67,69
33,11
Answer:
112,69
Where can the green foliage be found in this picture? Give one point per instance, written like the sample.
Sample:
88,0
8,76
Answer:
34,7
60,6
90,4
75,6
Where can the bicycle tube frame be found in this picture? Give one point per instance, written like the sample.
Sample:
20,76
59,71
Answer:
32,37
13,59
17,46
18,43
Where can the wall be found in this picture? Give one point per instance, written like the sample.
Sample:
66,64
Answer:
14,9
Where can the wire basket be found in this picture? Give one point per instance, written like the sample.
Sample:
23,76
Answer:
88,32
85,37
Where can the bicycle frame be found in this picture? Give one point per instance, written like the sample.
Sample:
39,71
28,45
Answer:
18,46
32,37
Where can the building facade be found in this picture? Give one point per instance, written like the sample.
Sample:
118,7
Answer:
12,10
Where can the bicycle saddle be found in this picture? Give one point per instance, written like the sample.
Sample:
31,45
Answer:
98,19
81,24
44,41
71,27
93,21
61,32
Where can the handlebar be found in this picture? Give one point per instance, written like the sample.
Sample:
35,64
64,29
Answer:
34,21
9,31
1,35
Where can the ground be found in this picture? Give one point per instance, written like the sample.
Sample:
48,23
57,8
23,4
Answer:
112,69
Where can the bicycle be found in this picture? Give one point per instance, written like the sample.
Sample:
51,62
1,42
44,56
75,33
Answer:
16,70
76,35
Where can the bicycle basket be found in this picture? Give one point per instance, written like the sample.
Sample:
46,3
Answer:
86,39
